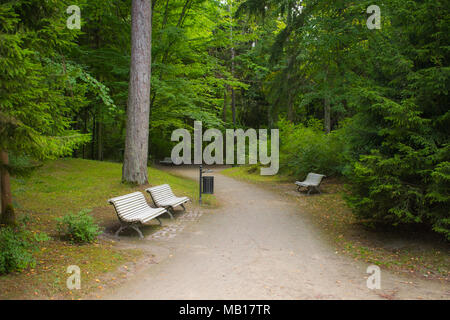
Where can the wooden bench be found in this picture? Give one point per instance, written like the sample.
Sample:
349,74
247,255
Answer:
313,181
167,161
163,197
133,210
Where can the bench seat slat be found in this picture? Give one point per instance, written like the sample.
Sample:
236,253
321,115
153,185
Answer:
144,216
174,202
134,208
163,196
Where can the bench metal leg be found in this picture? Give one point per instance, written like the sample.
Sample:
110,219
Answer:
184,208
169,211
134,227
122,227
309,189
314,188
159,220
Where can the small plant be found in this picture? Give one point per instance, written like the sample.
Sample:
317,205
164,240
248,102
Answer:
15,250
78,228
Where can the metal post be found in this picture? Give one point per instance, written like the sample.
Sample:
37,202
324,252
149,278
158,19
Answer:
200,183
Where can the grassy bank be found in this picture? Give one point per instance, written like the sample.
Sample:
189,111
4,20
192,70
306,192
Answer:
70,185
418,253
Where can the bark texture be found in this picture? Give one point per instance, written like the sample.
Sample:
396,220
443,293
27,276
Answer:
8,216
138,112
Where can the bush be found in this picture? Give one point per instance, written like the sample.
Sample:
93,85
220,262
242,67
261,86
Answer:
15,250
78,228
404,180
307,149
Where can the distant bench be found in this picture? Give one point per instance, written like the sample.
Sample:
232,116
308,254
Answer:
166,161
163,197
312,182
133,211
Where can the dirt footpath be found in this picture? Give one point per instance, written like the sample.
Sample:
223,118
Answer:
257,245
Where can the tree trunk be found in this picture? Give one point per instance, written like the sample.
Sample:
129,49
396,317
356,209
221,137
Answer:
233,56
100,130
8,215
327,115
99,141
326,106
289,83
138,112
233,93
224,111
86,117
233,106
94,130
290,114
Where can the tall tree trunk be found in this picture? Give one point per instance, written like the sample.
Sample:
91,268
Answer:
233,56
326,106
327,115
289,84
138,112
86,116
233,106
290,114
224,111
8,215
100,130
166,15
94,136
100,140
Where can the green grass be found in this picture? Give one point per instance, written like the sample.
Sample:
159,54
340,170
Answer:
70,185
251,174
74,184
421,256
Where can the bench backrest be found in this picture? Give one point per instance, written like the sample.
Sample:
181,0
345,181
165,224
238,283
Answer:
161,194
314,178
129,204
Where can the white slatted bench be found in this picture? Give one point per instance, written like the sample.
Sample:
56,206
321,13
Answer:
163,197
133,210
313,181
166,161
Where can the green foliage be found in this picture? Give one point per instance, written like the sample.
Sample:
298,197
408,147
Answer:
399,148
33,114
15,252
438,197
16,248
78,228
307,149
22,165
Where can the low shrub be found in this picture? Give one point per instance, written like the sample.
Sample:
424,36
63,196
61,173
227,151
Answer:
16,248
308,149
78,228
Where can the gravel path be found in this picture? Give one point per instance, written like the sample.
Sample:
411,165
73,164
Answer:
257,245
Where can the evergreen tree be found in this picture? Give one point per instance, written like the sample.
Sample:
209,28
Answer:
34,112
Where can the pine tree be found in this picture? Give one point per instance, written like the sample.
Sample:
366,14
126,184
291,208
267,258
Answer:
33,113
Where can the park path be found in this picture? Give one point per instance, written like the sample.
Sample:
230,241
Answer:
257,245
